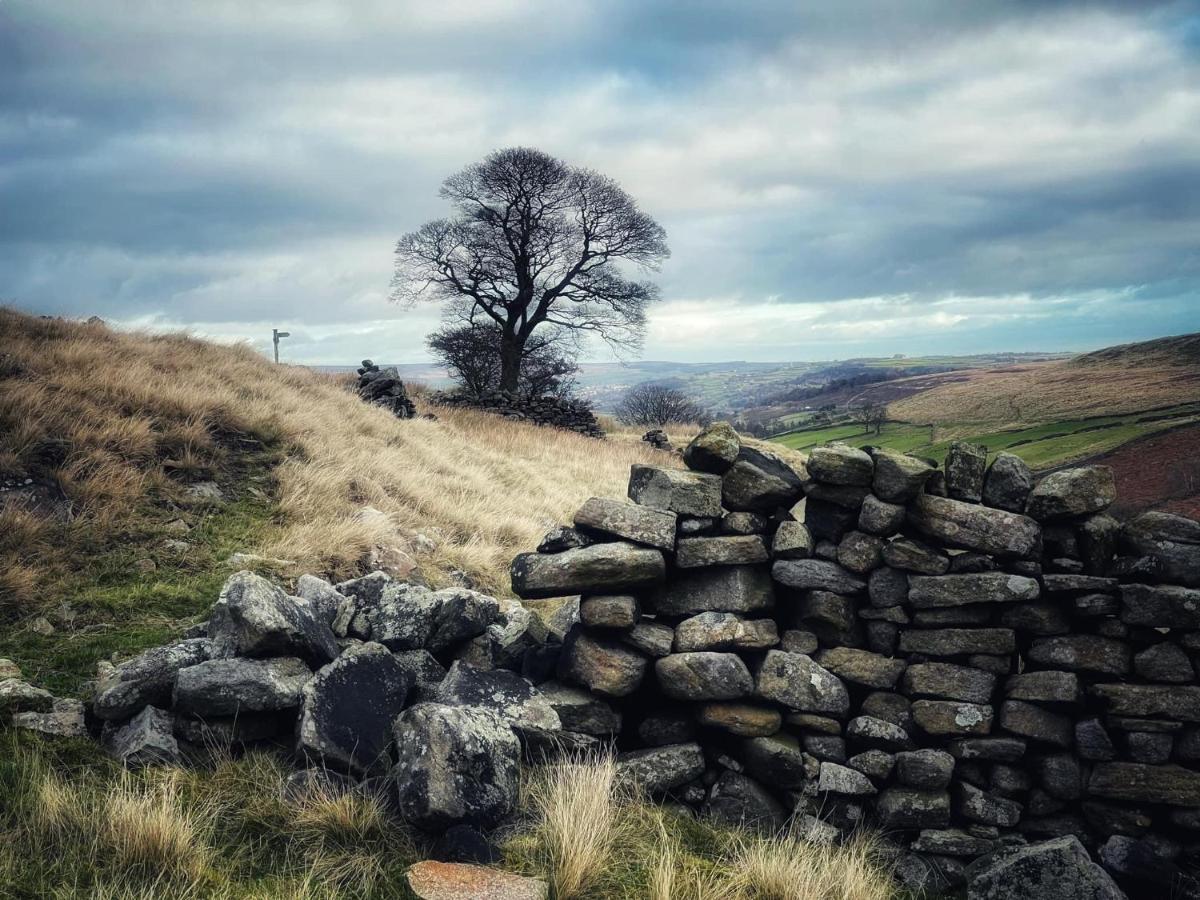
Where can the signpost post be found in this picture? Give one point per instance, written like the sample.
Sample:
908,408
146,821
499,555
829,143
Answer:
276,334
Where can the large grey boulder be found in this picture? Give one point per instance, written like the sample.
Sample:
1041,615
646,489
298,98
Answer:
737,801
1171,541
401,617
795,681
1058,868
703,676
1160,606
714,449
17,696
676,490
659,769
347,709
1007,483
760,481
780,761
579,710
146,739
323,598
454,765
227,687
512,634
840,464
602,666
629,521
738,589
973,527
1072,492
601,568
939,591
513,698
65,718
459,615
253,617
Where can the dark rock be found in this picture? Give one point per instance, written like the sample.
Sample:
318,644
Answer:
952,717
580,711
724,631
455,765
703,676
967,562
601,666
1058,868
840,464
914,556
1140,783
927,769
877,734
950,682
660,769
1036,618
887,587
898,478
875,764
1098,536
862,667
880,517
929,592
347,710
1007,483
147,679
464,844
714,449
1149,747
1044,687
145,740
1173,542
860,553
1072,492
1027,720
733,550
1061,776
1081,653
909,808
795,681
965,467
760,481
818,574
1164,662
739,589
661,729
889,707
1160,606
991,749
228,687
976,805
793,641
619,612
997,532
608,568
629,521
792,541
654,639
828,521
1092,741
958,641
517,702
562,538
1177,702
777,760
742,523
738,801
255,618
835,778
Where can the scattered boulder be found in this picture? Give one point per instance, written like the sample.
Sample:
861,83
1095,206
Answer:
1059,868
1072,492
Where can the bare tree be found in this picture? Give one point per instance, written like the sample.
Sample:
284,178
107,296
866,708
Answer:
657,404
534,242
870,415
471,353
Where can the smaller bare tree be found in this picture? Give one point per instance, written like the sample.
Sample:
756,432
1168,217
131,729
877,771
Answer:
471,354
870,415
657,404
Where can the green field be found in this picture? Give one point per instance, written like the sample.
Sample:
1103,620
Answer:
1042,446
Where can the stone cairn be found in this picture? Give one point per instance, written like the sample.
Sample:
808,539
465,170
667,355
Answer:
657,438
383,387
553,412
960,657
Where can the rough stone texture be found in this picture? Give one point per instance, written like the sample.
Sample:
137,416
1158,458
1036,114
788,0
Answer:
862,667
602,666
972,527
914,556
255,618
899,807
629,521
760,481
742,719
792,541
1180,703
227,687
601,568
1007,483
839,779
1172,542
17,696
778,760
432,880
926,769
347,710
934,592
887,587
654,639
454,765
1031,721
1044,687
724,631
579,710
1081,653
714,449
726,550
965,467
739,801
949,682
898,478
703,676
860,553
146,739
517,702
659,769
840,464
952,718
739,589
1058,868
676,490
1160,606
65,718
1136,782
1072,492
818,574
880,517
616,611
795,681
958,641
1164,662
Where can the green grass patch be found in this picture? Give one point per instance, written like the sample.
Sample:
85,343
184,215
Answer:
106,600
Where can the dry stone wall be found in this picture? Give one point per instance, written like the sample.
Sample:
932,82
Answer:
554,412
960,656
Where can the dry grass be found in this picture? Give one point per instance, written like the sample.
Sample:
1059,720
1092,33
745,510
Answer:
1024,395
145,828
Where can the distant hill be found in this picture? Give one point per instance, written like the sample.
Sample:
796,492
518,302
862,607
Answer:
1179,350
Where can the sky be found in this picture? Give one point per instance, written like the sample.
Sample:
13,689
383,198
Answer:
865,177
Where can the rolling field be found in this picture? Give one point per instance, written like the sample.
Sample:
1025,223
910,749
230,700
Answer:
1041,446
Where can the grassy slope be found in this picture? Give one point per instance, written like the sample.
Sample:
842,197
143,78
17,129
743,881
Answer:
298,457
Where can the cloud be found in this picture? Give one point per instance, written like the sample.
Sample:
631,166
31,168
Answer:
953,172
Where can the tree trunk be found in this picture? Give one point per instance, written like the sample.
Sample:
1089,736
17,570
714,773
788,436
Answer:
510,362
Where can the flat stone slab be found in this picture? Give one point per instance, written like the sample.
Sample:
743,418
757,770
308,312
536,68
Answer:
1140,783
620,518
732,550
739,589
941,591
975,527
600,568
431,880
1178,702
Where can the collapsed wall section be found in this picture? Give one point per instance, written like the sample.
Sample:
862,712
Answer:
959,655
